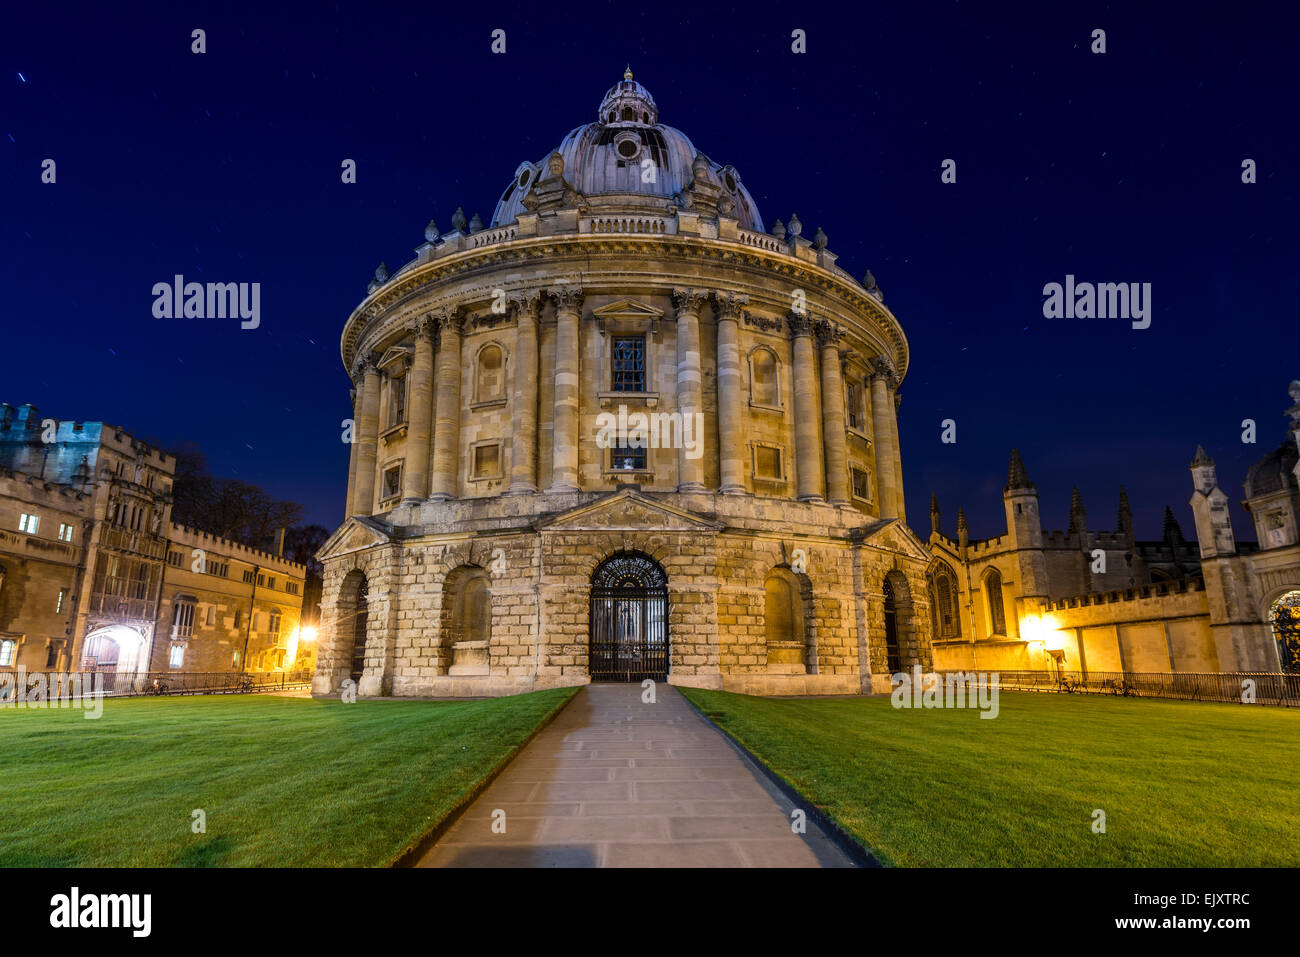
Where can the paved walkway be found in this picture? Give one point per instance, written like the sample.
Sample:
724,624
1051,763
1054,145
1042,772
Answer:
613,782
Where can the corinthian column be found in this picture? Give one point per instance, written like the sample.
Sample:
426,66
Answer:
837,455
523,434
731,438
568,309
690,390
807,434
367,436
899,497
420,415
882,428
352,451
446,427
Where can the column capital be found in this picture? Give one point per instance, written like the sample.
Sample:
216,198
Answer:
690,300
730,306
365,363
799,324
424,327
828,333
882,367
567,298
528,303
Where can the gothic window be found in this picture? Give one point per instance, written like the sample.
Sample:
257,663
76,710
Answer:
183,618
764,378
489,383
943,599
993,596
629,364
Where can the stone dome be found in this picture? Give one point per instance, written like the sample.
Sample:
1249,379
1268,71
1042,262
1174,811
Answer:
1274,472
606,163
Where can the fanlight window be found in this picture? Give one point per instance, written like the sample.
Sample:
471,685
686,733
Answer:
629,571
1284,616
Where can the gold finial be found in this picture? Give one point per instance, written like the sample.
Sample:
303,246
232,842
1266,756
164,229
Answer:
627,73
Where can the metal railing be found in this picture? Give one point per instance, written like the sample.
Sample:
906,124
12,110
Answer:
203,682
1275,688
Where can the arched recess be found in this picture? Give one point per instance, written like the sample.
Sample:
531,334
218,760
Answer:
764,377
900,641
490,373
945,613
994,603
787,622
1284,620
629,619
467,620
353,621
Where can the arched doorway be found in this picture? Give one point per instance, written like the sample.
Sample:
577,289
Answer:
893,656
629,620
1284,616
901,647
354,612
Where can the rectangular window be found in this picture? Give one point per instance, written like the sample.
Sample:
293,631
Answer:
261,581
8,649
767,462
397,401
861,484
212,615
487,460
624,457
854,396
392,483
239,617
234,661
58,604
177,656
270,581
291,587
52,655
28,523
216,568
174,559
248,576
65,532
274,628
629,364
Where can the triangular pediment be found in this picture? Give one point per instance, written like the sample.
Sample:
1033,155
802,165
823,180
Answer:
893,535
356,534
626,309
630,510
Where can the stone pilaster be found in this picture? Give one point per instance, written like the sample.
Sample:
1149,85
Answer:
882,426
446,428
833,427
523,434
367,436
690,390
352,450
899,497
807,433
419,415
731,433
568,311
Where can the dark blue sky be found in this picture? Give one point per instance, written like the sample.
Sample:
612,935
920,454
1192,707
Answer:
1119,167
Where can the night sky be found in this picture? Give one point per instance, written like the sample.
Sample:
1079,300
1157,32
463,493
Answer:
1122,167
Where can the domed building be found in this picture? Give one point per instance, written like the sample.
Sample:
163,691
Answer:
625,431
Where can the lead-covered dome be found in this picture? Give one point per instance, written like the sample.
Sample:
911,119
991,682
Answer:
628,159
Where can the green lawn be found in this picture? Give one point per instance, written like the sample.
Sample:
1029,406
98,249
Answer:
1181,783
283,781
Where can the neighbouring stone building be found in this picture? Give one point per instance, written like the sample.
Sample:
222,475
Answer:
1105,601
94,576
626,430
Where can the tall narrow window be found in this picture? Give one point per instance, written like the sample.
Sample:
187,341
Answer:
853,395
177,656
629,364
396,400
274,628
764,385
183,619
993,594
28,523
8,649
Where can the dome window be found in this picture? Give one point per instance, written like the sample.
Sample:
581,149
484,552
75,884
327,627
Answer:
730,180
628,114
523,179
627,149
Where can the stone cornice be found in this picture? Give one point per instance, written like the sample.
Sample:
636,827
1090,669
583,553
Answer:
409,290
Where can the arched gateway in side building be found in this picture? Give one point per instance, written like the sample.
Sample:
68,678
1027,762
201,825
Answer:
625,430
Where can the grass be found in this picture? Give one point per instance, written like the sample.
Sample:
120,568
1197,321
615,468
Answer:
1181,783
284,782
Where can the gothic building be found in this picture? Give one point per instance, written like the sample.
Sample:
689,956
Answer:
94,575
625,430
1105,601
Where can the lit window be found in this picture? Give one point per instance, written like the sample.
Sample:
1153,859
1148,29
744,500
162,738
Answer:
58,605
65,532
28,523
8,650
177,656
629,364
183,619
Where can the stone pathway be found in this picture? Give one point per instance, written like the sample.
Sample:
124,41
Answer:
613,782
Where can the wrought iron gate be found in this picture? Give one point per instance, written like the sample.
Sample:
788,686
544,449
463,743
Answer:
629,620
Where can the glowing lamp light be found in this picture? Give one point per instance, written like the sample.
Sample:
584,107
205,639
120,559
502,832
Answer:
308,633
